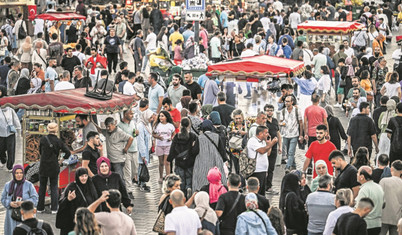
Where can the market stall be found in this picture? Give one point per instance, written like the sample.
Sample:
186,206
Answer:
264,76
60,107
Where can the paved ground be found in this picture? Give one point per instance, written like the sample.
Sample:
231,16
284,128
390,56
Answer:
145,204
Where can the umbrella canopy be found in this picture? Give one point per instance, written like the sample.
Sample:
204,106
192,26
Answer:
56,16
257,66
341,27
68,101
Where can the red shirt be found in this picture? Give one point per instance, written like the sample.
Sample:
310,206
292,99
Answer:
315,116
176,116
318,151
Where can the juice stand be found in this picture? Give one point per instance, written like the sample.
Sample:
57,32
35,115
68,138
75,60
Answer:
60,107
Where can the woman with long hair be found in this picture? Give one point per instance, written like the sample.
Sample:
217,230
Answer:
367,85
85,223
336,130
276,217
292,205
163,133
170,183
271,46
324,86
238,47
238,128
343,203
3,45
80,193
392,87
162,39
106,179
185,147
14,193
385,116
361,158
26,53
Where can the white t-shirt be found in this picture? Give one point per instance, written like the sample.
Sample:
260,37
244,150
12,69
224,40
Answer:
182,220
64,85
165,131
262,159
349,52
151,40
265,23
39,23
80,56
128,89
391,89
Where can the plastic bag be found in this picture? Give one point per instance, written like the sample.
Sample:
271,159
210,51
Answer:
144,173
384,145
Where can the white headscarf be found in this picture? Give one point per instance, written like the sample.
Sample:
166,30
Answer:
202,204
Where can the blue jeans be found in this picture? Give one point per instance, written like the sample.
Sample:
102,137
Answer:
248,84
186,176
289,147
118,168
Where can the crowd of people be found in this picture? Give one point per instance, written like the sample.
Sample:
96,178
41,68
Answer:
216,164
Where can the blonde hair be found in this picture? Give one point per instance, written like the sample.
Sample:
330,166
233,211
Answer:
344,196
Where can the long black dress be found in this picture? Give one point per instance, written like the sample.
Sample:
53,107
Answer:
336,131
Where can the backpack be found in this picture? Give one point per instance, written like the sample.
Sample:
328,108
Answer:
22,34
34,231
397,137
54,50
247,165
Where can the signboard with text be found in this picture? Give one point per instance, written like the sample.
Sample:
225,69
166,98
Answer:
195,10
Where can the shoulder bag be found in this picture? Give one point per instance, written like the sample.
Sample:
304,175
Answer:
15,212
234,205
44,61
10,128
263,221
159,226
216,146
236,141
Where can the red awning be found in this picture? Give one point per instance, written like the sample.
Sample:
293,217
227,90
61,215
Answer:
257,66
56,16
68,101
330,27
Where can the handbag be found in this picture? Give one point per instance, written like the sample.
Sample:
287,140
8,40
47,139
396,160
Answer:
236,141
183,156
342,83
10,128
159,226
144,173
16,212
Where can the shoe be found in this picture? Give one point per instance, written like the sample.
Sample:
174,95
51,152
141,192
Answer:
272,191
40,211
131,196
147,188
337,105
287,171
54,212
1,165
283,161
247,96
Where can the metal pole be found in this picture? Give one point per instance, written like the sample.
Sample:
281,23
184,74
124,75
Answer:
197,32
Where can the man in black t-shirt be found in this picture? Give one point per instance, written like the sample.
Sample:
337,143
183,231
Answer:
253,186
395,124
352,223
230,205
91,153
194,87
342,14
273,130
112,45
29,222
347,177
224,110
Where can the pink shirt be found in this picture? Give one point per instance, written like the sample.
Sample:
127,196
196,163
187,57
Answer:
177,53
204,36
315,116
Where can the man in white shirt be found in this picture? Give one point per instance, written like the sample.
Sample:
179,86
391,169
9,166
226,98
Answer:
265,21
294,19
277,5
150,44
79,54
348,50
260,147
128,88
181,220
249,51
64,83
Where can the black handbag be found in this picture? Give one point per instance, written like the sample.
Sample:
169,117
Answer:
16,214
144,173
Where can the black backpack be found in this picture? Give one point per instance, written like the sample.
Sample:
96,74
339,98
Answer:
22,34
34,231
397,137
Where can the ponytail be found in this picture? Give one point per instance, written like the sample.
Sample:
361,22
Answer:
184,132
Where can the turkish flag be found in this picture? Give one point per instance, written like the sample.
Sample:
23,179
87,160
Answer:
31,12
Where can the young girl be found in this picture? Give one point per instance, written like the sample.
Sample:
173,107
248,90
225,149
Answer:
178,57
164,132
139,86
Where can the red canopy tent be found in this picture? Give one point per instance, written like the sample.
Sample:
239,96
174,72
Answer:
257,66
56,16
335,27
68,101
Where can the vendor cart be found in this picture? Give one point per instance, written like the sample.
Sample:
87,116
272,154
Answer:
60,107
264,75
329,33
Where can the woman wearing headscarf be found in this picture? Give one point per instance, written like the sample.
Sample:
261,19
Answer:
219,129
14,193
184,149
292,206
49,147
80,193
336,130
212,154
23,84
26,53
206,110
253,221
205,212
106,179
387,115
214,188
349,74
321,169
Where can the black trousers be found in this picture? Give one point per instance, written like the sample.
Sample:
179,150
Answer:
137,63
112,59
271,168
311,139
54,194
374,231
262,177
7,144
